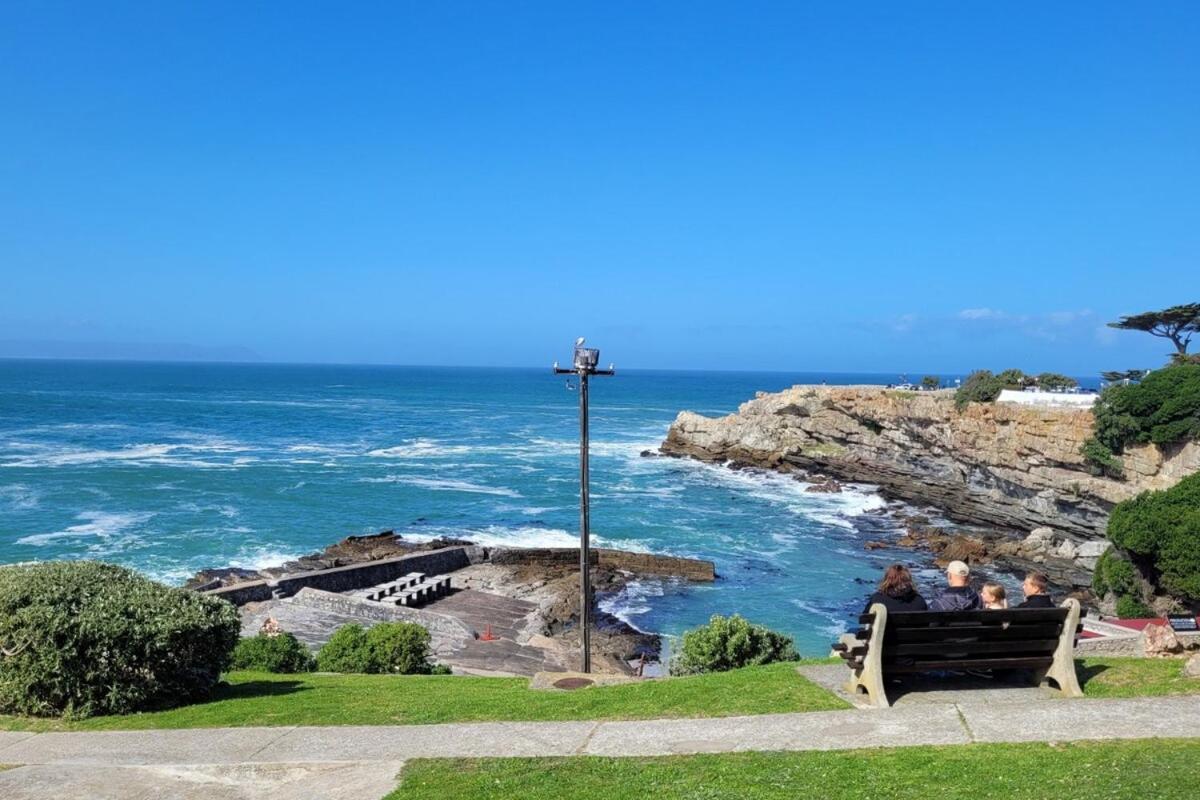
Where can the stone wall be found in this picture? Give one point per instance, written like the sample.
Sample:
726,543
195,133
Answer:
449,559
354,576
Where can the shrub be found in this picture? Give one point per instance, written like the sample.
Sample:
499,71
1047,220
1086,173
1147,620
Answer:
1053,382
1114,574
1163,528
1163,408
981,386
1129,607
931,382
82,638
401,647
280,653
727,643
1100,460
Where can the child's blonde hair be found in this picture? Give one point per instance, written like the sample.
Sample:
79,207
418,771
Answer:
996,590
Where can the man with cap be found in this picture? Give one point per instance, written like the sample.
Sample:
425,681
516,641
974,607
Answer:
958,595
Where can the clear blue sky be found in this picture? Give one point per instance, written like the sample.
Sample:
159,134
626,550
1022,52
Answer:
839,186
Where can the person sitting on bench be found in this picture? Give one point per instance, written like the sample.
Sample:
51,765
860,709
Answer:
896,591
994,597
1037,591
958,596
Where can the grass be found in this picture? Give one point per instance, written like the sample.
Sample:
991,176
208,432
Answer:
249,698
1134,677
1092,770
264,699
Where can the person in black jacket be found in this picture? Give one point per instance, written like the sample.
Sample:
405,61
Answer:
896,591
1037,591
958,596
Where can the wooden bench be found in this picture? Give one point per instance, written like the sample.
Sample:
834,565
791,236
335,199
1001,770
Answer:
1040,640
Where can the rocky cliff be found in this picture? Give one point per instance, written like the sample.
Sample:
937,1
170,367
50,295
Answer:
996,464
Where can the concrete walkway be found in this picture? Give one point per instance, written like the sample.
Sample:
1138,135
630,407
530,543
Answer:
361,762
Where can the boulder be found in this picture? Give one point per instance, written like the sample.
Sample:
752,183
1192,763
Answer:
1160,640
963,548
829,485
1038,542
1192,668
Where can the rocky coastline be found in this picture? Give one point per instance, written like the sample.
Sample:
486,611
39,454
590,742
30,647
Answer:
545,577
1012,476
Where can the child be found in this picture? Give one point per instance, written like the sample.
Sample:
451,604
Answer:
994,597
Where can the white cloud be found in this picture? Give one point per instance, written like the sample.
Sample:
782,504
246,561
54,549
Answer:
981,313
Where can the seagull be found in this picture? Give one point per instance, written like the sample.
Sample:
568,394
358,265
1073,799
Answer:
579,342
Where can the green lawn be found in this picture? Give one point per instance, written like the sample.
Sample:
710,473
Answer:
1134,677
1092,771
262,699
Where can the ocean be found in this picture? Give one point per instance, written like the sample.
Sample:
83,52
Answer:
170,468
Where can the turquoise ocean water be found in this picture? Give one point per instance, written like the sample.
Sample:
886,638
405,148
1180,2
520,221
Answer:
170,468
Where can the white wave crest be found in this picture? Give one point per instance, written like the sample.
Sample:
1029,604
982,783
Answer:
101,524
420,448
19,497
445,485
633,600
153,453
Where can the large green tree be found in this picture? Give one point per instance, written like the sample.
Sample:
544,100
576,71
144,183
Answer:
1162,529
1176,323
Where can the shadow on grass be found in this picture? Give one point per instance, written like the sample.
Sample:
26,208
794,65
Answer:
251,689
1085,672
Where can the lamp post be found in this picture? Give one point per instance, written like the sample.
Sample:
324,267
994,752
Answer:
584,366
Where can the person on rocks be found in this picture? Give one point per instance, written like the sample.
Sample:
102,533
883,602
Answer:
896,591
1037,591
958,595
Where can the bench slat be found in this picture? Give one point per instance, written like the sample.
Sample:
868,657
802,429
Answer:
989,633
952,649
1017,615
1019,662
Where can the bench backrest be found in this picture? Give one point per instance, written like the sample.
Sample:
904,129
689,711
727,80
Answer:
925,640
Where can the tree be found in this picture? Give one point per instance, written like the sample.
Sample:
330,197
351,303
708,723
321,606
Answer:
1121,376
1162,529
1162,409
931,382
1054,382
981,386
1176,323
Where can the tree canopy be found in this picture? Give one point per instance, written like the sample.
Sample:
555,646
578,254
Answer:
1163,528
1176,323
1164,408
1120,376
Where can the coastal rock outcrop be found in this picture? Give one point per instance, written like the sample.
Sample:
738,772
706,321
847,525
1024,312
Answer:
1016,467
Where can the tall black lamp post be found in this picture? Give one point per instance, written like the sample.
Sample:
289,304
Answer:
584,366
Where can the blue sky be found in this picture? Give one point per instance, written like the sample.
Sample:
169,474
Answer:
843,186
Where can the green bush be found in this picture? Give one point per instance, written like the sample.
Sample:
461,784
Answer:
280,653
1163,408
727,643
83,638
1101,460
1129,607
1163,528
1114,574
1053,381
981,386
400,647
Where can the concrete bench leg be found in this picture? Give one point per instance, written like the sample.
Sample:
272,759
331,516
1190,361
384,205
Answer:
1062,670
869,677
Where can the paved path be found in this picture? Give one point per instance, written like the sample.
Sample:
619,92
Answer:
361,762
